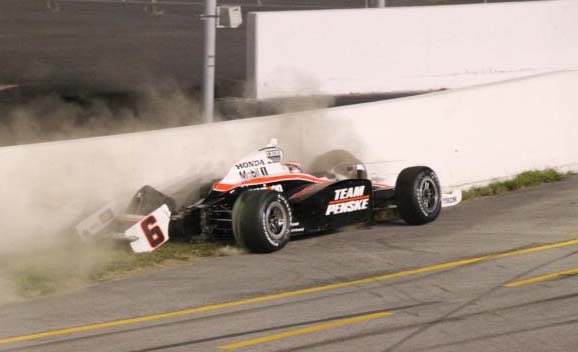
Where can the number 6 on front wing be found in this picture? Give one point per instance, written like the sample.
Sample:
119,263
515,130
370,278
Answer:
151,232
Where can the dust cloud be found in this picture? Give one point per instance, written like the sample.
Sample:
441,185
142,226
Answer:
32,117
48,189
41,252
235,108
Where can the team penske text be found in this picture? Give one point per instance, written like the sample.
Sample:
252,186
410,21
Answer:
347,207
347,200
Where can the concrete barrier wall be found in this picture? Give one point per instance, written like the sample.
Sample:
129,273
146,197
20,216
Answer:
471,135
468,136
407,48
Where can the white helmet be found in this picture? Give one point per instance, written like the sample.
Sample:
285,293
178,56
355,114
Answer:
294,167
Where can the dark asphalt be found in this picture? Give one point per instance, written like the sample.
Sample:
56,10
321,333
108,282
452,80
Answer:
459,308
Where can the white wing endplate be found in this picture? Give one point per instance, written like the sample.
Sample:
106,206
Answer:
451,198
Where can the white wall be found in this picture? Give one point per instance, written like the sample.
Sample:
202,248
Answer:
407,48
468,136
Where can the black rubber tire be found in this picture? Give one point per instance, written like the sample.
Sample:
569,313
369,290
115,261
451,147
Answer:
253,212
418,195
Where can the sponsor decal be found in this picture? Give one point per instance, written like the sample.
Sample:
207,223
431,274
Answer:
347,200
347,207
247,174
450,199
273,156
278,188
294,227
248,164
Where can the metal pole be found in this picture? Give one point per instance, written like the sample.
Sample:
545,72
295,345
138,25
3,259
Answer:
210,28
378,3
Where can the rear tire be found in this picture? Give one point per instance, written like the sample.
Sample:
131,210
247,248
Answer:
262,221
418,196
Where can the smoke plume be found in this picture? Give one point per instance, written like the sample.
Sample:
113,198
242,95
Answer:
31,117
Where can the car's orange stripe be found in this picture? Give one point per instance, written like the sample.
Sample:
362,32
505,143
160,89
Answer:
303,191
223,187
348,199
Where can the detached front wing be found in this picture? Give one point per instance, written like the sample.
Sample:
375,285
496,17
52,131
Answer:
144,232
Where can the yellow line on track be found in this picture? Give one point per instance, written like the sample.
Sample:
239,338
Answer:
541,278
305,330
281,295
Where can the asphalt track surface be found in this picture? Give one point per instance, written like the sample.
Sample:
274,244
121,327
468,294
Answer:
493,274
120,46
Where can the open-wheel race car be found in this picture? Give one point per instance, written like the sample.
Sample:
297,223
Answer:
262,202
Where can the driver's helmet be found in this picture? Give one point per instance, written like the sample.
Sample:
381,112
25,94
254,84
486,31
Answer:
294,168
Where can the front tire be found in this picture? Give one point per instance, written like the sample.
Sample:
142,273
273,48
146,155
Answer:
418,196
262,221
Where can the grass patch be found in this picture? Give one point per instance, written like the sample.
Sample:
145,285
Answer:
523,180
34,282
119,262
74,264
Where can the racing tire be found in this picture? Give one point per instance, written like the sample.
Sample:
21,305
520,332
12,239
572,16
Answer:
262,221
418,196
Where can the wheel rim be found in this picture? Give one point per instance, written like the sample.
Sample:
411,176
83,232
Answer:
276,221
429,194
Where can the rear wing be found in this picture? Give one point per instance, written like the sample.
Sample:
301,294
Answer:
145,224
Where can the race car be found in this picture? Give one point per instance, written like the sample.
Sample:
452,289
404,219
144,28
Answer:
262,202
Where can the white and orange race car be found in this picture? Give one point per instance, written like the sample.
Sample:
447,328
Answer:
262,202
